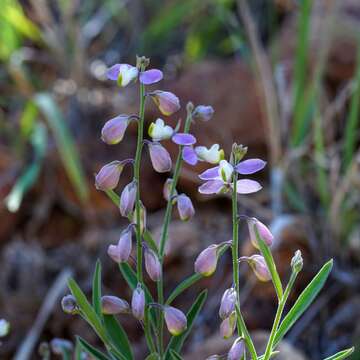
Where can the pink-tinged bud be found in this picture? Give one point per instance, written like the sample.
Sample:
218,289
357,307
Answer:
237,350
69,305
127,199
160,158
121,252
175,319
142,217
205,263
114,130
263,230
112,305
58,346
204,112
138,302
185,207
228,302
167,102
227,326
167,189
108,176
258,265
152,264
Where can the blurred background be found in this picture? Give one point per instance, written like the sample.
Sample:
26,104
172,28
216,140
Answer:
284,79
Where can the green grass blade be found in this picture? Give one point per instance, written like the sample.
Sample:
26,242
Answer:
96,289
191,280
78,350
175,355
118,337
98,355
304,301
153,356
176,342
65,143
341,354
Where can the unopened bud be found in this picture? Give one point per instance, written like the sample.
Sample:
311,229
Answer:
263,231
205,263
167,189
297,262
108,176
142,218
152,264
258,265
114,130
185,207
160,158
227,326
127,199
69,305
204,112
167,102
237,153
121,252
237,350
175,319
58,346
112,305
228,302
138,302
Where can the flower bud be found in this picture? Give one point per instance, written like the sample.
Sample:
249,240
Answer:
58,346
227,326
160,158
121,252
205,263
167,102
297,262
213,155
225,171
127,199
204,112
69,305
258,265
114,129
175,319
167,189
4,327
142,217
152,264
108,176
237,153
185,207
228,302
122,73
237,350
263,230
159,131
138,302
112,305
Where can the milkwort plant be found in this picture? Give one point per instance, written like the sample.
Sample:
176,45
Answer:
155,313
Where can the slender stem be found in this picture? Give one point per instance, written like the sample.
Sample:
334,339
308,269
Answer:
278,315
137,164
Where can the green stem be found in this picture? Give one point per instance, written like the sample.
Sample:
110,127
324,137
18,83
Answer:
137,164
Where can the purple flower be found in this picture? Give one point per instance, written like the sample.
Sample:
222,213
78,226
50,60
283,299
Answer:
205,263
152,264
184,139
258,265
114,129
227,305
250,166
263,230
149,77
59,346
127,199
247,186
160,158
213,155
211,187
159,131
189,155
138,302
185,207
175,320
122,73
237,350
227,326
167,102
69,305
204,112
108,176
112,305
121,252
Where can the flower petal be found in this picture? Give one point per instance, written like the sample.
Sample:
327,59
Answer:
211,187
150,76
189,155
247,186
113,72
210,174
250,166
184,139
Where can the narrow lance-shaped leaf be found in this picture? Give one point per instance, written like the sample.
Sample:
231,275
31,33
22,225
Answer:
96,289
98,355
175,355
304,301
341,354
183,286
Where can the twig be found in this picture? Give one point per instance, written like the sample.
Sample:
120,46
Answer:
25,350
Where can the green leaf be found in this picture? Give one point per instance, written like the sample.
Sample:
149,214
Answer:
78,350
304,301
64,141
176,342
86,310
175,355
270,263
341,354
183,286
153,356
150,241
118,336
96,289
98,355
